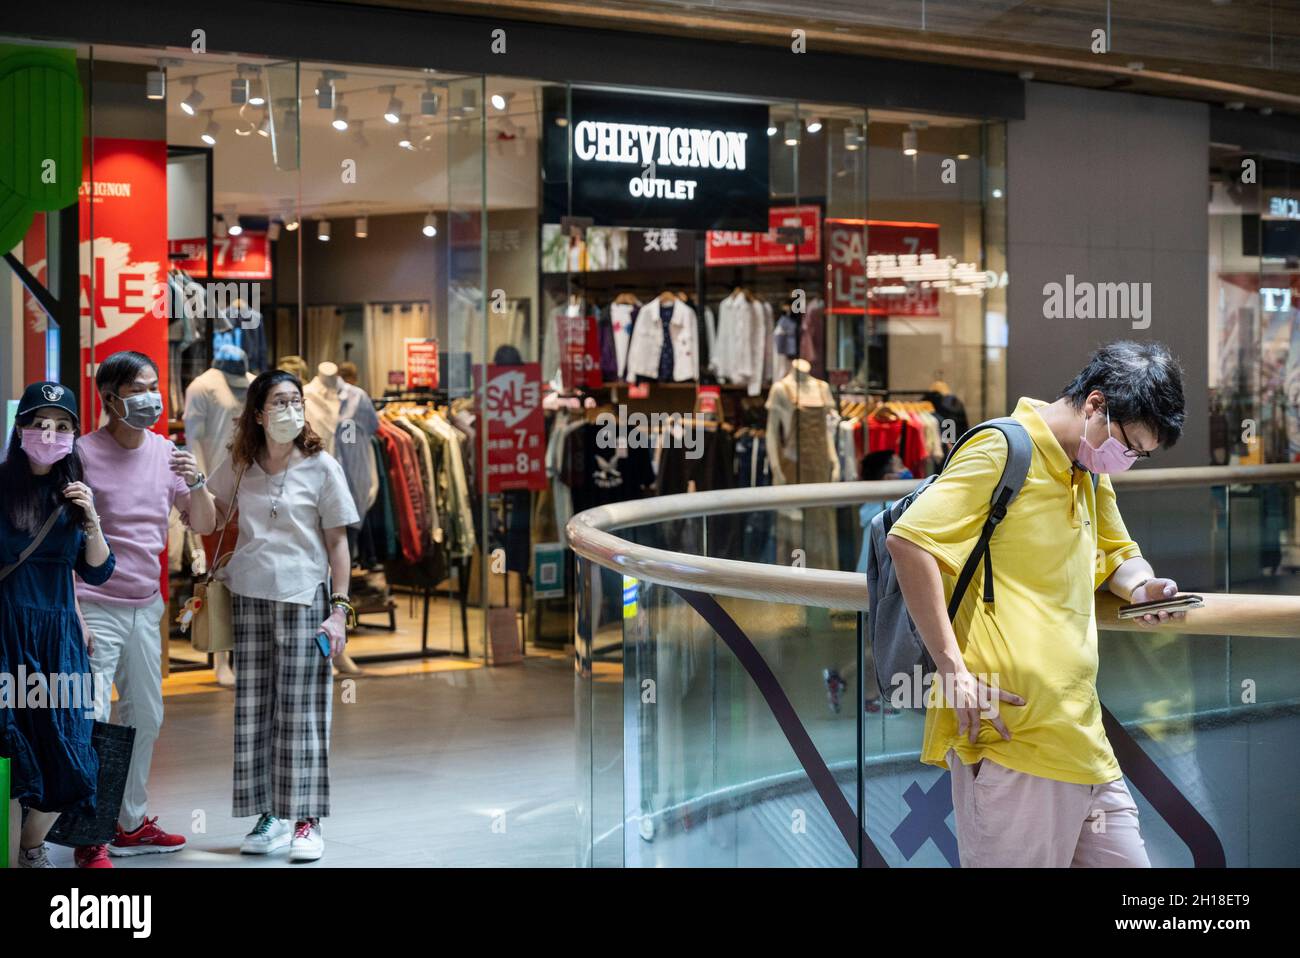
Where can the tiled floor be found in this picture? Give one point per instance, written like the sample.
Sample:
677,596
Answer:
464,767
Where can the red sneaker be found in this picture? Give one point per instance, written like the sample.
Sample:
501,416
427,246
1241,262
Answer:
92,856
148,839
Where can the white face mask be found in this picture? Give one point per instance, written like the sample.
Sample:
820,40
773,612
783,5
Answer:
285,425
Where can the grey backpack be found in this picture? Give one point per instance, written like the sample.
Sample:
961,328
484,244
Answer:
901,656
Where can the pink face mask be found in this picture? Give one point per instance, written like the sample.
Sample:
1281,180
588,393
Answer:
44,448
1110,456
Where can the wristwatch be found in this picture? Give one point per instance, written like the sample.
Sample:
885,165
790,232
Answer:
198,483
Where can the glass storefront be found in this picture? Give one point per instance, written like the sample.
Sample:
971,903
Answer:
845,296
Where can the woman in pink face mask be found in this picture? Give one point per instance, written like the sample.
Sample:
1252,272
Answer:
48,529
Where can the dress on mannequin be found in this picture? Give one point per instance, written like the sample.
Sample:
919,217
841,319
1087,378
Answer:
801,423
213,403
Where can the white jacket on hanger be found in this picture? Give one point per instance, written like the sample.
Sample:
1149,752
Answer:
742,342
622,317
648,338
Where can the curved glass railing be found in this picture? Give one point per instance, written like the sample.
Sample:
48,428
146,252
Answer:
723,717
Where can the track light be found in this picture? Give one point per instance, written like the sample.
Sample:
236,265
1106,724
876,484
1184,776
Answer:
963,156
256,93
234,229
814,124
290,222
190,105
323,230
264,128
404,141
239,91
209,134
325,92
771,130
155,84
561,121
393,112
430,225
501,101
909,143
792,133
340,121
429,102
852,137
362,227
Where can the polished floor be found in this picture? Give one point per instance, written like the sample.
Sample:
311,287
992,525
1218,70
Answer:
464,766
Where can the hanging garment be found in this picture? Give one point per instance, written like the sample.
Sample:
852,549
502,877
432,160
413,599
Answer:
812,337
741,342
622,316
649,346
801,429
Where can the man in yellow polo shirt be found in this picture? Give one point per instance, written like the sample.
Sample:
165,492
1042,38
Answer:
1035,782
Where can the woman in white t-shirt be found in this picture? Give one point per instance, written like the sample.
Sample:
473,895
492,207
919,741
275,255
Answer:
294,507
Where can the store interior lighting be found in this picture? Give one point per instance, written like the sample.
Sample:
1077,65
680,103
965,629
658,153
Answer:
771,130
430,226
256,92
791,132
290,222
190,105
963,156
323,230
239,91
501,101
155,84
429,102
264,128
468,101
209,134
814,124
325,92
362,227
340,121
234,229
404,141
852,137
393,113
909,143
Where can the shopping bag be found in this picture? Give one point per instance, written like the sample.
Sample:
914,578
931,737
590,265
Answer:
113,744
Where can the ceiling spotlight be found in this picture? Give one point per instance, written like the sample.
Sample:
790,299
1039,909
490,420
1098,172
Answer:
190,104
394,112
963,156
155,84
256,94
852,137
234,229
340,121
239,91
209,134
363,227
264,128
429,102
814,124
430,225
997,193
290,222
325,91
909,143
501,101
771,130
323,231
404,141
791,132
468,100
561,121
273,230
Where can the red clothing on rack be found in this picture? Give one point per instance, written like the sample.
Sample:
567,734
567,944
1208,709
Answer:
408,498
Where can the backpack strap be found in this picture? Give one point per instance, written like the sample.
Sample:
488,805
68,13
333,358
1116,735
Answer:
34,545
1020,452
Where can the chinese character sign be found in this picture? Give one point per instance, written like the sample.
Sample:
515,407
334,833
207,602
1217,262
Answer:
421,364
515,427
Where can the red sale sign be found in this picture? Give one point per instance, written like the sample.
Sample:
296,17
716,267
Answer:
880,271
515,427
579,351
124,269
421,364
246,256
775,247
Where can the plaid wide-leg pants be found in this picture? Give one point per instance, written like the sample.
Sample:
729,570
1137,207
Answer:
284,690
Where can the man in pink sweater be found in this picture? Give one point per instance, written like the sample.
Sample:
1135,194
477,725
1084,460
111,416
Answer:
137,476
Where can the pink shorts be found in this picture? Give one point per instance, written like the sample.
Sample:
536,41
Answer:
1008,819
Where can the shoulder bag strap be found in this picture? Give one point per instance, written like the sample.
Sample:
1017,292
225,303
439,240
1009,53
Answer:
35,544
234,496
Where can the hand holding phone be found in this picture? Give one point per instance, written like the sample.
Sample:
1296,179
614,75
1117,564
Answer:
1177,603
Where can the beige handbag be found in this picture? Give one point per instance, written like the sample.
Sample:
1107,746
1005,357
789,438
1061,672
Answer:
208,610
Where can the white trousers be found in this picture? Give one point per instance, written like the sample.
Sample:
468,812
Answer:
128,654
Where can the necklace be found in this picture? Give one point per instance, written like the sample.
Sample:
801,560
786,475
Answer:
278,494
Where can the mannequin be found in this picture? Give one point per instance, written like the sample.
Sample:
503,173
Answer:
294,364
322,400
801,424
213,403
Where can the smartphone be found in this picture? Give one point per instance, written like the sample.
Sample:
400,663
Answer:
1178,603
323,643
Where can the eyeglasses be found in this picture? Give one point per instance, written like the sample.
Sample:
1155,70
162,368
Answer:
280,405
1128,447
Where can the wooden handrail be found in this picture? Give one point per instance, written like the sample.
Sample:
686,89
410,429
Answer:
1268,616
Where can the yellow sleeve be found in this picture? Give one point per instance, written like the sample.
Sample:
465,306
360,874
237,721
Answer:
1114,547
946,519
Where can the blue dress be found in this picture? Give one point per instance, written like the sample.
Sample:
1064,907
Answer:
53,767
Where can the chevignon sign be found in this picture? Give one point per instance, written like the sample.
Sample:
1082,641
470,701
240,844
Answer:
657,161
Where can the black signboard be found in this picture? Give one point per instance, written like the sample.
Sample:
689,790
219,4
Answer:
653,161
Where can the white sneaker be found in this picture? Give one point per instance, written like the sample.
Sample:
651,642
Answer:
37,857
307,844
267,835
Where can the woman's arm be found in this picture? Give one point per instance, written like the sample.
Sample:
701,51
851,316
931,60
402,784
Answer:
340,560
97,552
